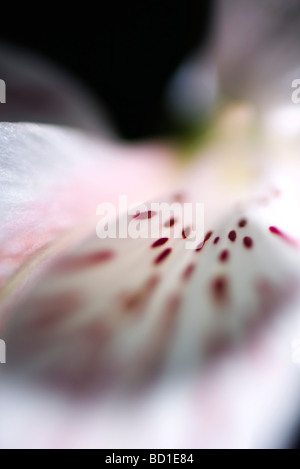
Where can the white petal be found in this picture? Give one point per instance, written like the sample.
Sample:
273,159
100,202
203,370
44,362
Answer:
52,181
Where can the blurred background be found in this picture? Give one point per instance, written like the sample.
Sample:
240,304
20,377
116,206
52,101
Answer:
152,67
125,52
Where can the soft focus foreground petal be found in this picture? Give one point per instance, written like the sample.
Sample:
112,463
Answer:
194,347
52,181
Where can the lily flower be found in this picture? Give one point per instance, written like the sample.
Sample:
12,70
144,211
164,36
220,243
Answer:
123,342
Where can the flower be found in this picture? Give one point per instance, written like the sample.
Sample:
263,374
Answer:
131,339
142,342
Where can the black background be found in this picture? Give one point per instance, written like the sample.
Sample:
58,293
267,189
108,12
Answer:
125,51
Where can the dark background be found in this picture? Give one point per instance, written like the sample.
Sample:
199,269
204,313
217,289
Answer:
125,51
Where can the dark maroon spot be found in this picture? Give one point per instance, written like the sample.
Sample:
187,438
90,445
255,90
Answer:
248,242
232,235
170,223
188,271
162,256
283,236
83,262
159,242
224,255
220,288
242,223
186,232
207,236
200,245
216,240
144,215
275,230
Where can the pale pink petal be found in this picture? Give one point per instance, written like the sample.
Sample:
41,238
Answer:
52,181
